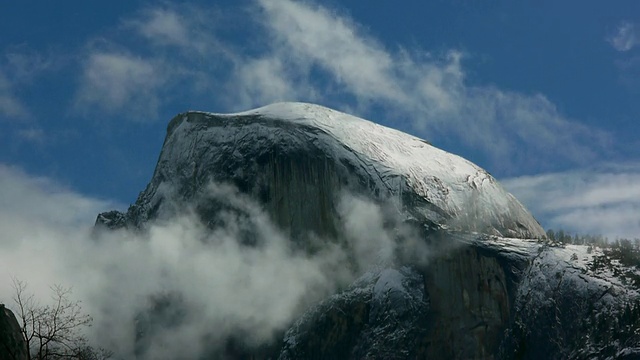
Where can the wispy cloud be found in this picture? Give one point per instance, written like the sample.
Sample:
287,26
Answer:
157,51
429,90
37,198
47,239
24,63
304,51
33,135
312,34
603,200
164,26
626,36
186,27
19,66
20,69
263,81
117,81
10,105
222,288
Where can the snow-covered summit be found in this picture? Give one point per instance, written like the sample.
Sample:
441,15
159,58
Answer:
395,150
288,149
485,296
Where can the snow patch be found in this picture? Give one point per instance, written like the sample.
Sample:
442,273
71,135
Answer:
459,194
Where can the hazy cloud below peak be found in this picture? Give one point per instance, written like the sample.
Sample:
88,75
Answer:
464,83
40,198
218,286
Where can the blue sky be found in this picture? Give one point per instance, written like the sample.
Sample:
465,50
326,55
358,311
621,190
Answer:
542,95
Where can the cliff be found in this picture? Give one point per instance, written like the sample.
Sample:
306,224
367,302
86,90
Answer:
12,344
487,287
295,158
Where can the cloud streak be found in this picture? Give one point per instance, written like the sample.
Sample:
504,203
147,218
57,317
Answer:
164,53
626,37
429,91
604,200
303,51
10,105
189,28
114,82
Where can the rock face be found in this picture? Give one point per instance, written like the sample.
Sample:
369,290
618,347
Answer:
380,316
295,158
489,289
493,298
12,344
456,307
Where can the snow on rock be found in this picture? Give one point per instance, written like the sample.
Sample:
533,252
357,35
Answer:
491,298
395,290
378,317
457,186
429,184
491,291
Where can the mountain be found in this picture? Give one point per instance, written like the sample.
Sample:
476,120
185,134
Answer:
12,344
296,157
477,282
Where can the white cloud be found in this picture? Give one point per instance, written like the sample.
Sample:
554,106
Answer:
223,287
19,66
114,82
39,198
24,63
264,81
227,287
181,58
187,27
302,51
603,200
428,90
38,208
164,26
627,36
312,33
10,105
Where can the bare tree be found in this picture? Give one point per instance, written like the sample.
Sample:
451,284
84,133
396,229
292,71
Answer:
54,331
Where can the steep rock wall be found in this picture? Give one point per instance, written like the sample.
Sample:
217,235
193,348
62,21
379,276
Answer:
279,158
12,344
459,306
483,298
471,305
301,192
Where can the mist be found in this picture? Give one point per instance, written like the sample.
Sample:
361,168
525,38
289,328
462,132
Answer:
217,286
